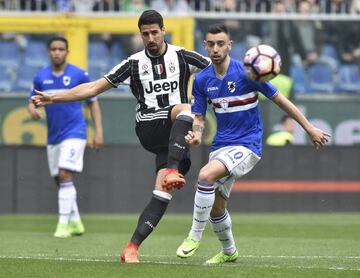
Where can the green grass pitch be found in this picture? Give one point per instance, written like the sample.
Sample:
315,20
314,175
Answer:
271,245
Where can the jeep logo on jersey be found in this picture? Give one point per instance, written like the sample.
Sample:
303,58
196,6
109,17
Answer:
231,86
165,86
66,80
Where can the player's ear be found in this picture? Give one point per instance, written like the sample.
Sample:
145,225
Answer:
230,44
205,45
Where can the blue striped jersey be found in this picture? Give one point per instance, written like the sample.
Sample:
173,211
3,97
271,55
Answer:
234,99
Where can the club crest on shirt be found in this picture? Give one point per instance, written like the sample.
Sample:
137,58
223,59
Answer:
224,104
159,69
66,80
231,86
172,67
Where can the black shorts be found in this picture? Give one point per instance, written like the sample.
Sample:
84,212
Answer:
153,130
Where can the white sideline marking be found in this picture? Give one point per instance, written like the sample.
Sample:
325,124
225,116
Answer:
45,257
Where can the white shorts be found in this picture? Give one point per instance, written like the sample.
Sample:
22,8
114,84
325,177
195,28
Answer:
238,160
67,155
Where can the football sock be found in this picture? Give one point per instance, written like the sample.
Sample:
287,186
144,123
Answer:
204,200
177,143
66,198
151,216
222,228
75,214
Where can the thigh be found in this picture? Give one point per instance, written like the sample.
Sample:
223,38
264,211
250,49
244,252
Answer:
53,154
71,155
153,129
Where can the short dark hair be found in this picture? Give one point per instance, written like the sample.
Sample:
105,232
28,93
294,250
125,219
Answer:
217,28
58,38
151,17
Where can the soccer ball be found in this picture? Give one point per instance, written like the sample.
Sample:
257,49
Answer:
262,63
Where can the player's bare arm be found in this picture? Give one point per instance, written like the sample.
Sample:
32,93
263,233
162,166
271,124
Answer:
34,113
194,136
318,137
80,92
98,139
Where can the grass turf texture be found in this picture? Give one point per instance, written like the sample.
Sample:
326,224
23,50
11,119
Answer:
270,245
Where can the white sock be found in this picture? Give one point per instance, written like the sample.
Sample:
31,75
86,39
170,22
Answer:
222,228
75,214
66,197
204,200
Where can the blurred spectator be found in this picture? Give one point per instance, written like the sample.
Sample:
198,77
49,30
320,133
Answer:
338,6
106,5
64,6
134,5
283,134
278,33
306,35
83,5
355,7
34,5
164,6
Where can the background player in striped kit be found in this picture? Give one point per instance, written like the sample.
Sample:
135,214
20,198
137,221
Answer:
158,78
66,132
236,147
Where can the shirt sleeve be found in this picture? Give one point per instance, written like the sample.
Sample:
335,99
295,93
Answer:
120,74
200,104
267,89
195,61
35,86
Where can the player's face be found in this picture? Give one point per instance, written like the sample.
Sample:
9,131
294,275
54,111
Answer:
218,47
58,53
153,38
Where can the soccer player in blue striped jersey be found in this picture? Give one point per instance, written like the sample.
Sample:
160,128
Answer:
237,145
66,132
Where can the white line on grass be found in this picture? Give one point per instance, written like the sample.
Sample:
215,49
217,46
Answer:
45,257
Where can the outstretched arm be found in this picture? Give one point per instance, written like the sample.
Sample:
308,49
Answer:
194,136
318,137
80,92
98,139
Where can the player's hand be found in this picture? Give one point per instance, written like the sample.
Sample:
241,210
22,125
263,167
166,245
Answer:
318,137
98,141
193,138
41,99
36,114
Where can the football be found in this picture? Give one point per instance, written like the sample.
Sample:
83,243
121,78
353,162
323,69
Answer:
262,63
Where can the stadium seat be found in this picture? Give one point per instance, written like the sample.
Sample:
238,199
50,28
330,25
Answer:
117,54
9,54
321,78
25,77
36,54
300,83
5,79
98,54
96,72
349,78
238,51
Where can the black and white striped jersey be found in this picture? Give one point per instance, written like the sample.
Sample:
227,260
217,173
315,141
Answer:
158,82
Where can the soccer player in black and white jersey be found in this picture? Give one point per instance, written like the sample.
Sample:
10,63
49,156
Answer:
158,77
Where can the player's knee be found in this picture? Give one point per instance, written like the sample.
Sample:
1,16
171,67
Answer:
207,176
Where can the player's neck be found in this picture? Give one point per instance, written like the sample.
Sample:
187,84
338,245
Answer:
222,68
58,68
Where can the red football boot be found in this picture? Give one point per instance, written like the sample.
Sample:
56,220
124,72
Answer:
130,253
173,179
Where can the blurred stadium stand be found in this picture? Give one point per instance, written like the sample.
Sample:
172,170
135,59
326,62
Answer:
253,16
